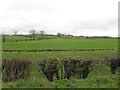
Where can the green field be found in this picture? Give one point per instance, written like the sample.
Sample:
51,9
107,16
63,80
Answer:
14,38
100,77
61,44
58,54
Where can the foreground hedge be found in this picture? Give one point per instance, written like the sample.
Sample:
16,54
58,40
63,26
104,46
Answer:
66,67
79,67
15,69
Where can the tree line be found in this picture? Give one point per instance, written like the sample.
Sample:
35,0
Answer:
41,35
33,34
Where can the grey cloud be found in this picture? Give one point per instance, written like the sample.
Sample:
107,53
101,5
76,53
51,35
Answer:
23,28
31,5
102,25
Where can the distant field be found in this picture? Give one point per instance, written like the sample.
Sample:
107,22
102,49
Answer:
14,38
61,44
58,54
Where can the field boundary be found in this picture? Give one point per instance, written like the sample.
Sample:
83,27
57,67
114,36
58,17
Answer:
60,50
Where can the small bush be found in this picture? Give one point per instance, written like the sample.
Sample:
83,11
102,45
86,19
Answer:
114,63
66,67
50,67
77,66
15,69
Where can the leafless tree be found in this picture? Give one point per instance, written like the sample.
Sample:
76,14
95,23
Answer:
59,34
32,32
15,32
42,34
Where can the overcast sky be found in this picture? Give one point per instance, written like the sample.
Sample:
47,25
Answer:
77,17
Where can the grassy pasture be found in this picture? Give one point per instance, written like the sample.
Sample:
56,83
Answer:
61,44
58,54
14,38
100,77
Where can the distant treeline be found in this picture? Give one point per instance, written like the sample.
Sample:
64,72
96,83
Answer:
20,37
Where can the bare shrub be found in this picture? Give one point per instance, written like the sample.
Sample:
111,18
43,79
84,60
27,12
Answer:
15,69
